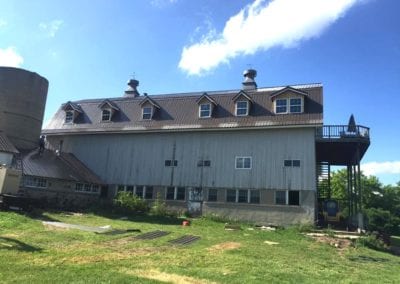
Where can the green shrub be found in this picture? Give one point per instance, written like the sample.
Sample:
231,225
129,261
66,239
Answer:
371,241
128,201
159,208
382,221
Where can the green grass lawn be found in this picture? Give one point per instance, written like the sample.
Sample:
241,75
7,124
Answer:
33,253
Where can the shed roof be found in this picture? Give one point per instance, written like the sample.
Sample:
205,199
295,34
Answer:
64,167
179,112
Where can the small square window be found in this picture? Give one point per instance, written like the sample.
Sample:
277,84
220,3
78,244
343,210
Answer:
231,195
168,163
205,110
287,163
170,193
242,108
281,106
106,115
280,197
149,192
87,187
254,196
69,116
212,194
130,188
242,198
296,163
243,163
180,193
79,187
139,191
207,163
95,188
295,105
147,113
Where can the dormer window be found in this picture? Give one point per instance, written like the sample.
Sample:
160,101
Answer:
205,110
108,109
281,106
69,116
242,108
72,111
147,113
149,107
289,100
206,106
106,115
242,104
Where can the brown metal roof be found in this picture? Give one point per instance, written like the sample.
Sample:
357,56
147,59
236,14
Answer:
6,145
180,112
64,166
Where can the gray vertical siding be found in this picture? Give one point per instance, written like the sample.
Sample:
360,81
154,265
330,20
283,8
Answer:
139,158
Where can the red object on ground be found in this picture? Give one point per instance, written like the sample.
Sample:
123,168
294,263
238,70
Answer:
186,223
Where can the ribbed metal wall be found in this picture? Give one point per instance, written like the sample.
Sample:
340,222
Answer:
22,101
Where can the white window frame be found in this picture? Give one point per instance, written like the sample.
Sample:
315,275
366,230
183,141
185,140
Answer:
103,114
295,105
243,158
69,116
87,188
248,201
147,113
241,108
205,113
35,182
276,106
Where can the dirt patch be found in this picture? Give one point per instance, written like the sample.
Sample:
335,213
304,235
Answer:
224,246
340,244
168,277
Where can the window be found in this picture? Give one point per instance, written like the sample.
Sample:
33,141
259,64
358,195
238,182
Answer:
242,108
254,196
243,163
280,197
130,188
231,195
171,163
69,116
170,193
86,188
294,197
120,188
175,193
243,196
212,194
204,163
139,191
281,106
287,197
180,193
38,182
296,163
205,110
295,105
149,192
292,163
147,113
106,115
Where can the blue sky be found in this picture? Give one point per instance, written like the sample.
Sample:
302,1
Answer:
90,48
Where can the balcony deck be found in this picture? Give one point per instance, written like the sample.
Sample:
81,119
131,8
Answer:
341,144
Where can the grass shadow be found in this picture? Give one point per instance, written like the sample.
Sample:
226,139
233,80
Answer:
13,244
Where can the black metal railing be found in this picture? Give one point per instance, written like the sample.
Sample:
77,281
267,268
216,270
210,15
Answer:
342,131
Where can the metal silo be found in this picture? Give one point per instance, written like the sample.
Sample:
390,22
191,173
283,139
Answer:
22,102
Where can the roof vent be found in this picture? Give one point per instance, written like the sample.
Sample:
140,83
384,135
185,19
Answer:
131,91
249,83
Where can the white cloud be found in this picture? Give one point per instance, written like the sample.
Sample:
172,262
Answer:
260,26
50,29
374,168
9,57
